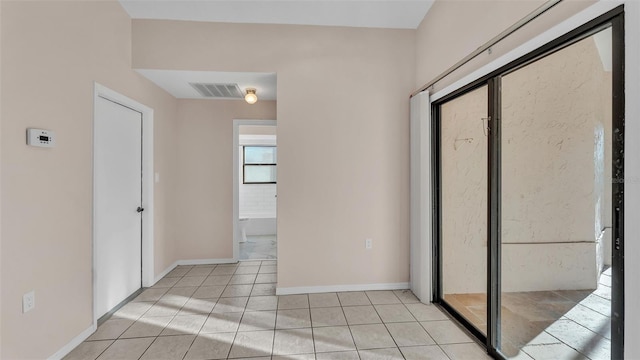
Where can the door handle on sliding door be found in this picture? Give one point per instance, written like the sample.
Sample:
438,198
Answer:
618,220
140,209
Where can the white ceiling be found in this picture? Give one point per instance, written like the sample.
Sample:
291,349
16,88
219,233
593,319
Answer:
177,82
396,14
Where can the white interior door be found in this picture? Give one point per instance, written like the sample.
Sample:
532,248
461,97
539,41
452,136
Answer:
117,198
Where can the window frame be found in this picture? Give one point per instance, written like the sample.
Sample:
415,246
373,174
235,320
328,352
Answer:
244,165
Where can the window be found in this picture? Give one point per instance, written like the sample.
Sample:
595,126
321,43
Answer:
259,164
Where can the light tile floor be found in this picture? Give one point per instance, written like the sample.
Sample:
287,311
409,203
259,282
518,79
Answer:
561,324
232,312
258,247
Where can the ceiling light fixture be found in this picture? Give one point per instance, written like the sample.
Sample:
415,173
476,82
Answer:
251,96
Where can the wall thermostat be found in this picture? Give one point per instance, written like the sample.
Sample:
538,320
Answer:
41,138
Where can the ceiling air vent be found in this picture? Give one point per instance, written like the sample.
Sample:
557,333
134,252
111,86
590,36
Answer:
218,91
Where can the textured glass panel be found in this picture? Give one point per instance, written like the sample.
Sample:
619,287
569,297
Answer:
556,204
464,150
260,173
260,155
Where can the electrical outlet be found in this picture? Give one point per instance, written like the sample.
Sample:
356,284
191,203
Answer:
28,301
368,244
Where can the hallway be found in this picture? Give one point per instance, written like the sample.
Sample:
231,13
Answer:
259,247
232,312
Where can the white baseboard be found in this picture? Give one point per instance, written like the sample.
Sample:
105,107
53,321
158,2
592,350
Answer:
279,291
341,288
192,262
73,343
91,329
164,273
206,262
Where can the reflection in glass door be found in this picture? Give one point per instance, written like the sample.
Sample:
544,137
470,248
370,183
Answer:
529,184
464,142
556,130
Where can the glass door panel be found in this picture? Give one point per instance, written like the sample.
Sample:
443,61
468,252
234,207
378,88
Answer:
556,141
464,150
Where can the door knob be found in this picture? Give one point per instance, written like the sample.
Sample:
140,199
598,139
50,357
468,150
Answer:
140,209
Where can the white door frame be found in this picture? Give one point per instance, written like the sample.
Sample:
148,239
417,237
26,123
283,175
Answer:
236,178
101,91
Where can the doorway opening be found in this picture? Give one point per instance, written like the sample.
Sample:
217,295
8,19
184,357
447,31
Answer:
529,192
255,190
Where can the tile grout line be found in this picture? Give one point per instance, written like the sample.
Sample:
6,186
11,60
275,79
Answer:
176,314
313,336
235,335
147,349
113,341
374,309
243,311
454,321
125,330
105,349
207,316
200,329
229,284
275,324
419,324
385,324
348,326
156,337
431,336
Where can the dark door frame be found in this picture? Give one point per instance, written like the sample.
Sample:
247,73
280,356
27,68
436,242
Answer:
615,20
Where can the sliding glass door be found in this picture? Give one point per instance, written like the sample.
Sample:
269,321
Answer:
556,124
529,188
464,205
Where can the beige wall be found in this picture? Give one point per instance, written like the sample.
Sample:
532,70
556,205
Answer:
52,52
204,184
553,118
1,292
257,130
343,152
556,125
441,41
